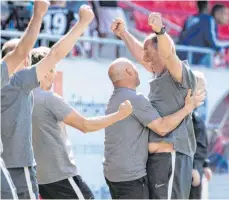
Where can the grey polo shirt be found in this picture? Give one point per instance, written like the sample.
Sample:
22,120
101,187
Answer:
4,74
126,142
168,96
16,119
52,148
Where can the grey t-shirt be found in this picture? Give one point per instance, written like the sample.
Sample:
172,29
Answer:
168,96
4,74
16,119
126,142
52,148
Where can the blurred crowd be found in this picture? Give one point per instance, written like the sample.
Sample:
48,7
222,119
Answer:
199,30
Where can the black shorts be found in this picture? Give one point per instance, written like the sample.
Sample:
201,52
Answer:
71,188
136,189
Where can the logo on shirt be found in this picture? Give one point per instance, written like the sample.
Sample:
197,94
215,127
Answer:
157,186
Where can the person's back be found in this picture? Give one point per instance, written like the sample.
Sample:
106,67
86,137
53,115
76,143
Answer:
126,146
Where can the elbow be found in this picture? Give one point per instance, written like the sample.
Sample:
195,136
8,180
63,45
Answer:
162,128
161,131
85,128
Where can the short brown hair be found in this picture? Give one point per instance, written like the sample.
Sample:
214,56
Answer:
9,46
152,37
38,54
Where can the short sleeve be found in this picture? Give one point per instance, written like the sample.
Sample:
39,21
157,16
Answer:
26,79
57,106
188,77
143,110
4,74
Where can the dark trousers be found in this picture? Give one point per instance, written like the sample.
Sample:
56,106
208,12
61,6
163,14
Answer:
195,192
136,189
71,188
170,175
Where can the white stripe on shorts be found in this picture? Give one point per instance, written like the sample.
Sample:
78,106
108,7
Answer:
29,183
76,188
170,186
8,178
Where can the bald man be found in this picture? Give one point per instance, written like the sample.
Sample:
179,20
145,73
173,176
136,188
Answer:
126,142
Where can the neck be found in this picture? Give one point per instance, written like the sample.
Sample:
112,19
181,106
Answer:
43,87
124,85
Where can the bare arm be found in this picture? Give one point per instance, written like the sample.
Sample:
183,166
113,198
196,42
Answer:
164,125
91,124
166,48
66,43
28,39
135,47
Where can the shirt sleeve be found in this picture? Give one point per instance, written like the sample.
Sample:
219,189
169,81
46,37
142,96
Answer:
57,106
188,77
26,79
4,74
143,110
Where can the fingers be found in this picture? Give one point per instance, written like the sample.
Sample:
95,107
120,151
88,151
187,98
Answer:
127,103
188,94
116,23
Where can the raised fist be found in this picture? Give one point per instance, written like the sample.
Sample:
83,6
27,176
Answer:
40,7
86,14
118,27
155,21
125,109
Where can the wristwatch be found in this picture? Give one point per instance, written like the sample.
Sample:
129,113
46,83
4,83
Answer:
162,31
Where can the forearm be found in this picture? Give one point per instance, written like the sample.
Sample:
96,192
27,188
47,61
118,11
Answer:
97,123
170,122
165,46
67,42
29,38
25,44
135,47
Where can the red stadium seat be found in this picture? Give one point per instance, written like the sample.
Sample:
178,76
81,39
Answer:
176,12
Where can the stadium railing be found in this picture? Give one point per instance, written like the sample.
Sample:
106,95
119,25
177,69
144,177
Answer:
96,41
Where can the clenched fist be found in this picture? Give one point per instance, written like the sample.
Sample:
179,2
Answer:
86,14
40,7
155,21
125,109
118,27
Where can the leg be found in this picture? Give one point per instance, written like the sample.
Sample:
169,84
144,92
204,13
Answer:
8,190
137,189
195,192
71,188
181,185
159,170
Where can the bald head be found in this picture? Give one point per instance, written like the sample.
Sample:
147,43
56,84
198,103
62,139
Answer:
9,46
118,69
123,73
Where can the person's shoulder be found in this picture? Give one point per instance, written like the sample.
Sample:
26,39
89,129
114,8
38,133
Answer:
139,99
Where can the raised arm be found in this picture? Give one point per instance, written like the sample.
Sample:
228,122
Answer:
164,125
92,124
135,47
166,47
66,43
28,39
